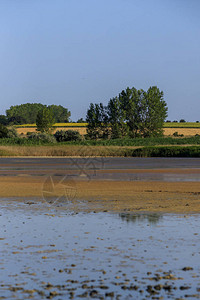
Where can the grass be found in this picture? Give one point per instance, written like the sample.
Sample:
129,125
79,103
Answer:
141,141
89,151
140,147
195,140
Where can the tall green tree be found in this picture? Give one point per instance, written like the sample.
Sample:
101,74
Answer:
45,120
27,113
116,118
61,114
133,112
97,120
153,113
23,113
3,120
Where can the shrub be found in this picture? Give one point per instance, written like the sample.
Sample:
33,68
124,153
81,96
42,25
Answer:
12,132
42,137
3,131
29,133
176,134
173,151
68,135
182,121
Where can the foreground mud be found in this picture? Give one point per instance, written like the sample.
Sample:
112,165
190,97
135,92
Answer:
51,252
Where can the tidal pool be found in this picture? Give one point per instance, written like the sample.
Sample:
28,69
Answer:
54,253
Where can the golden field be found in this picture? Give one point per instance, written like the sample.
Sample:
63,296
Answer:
24,130
167,131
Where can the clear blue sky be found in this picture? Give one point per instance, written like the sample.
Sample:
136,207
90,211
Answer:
73,52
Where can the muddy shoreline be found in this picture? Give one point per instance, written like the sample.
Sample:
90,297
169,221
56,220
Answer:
152,196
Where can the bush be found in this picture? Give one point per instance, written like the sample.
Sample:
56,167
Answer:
3,131
68,135
173,151
175,134
182,121
12,132
42,137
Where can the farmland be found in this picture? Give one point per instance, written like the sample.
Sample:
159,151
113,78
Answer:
187,128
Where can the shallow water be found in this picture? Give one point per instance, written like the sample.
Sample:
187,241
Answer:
55,253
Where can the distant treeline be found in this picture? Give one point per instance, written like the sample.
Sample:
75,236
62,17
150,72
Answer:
27,113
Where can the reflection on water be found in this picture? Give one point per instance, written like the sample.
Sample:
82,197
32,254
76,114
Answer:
151,218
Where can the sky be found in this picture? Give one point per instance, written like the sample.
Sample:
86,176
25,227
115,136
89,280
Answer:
74,52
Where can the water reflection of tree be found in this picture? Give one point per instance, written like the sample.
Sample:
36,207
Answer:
151,218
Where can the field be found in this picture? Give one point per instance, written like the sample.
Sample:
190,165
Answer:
187,129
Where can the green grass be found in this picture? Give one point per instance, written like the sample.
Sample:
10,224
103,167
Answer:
115,142
141,141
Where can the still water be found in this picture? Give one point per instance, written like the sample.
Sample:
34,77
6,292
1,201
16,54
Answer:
52,253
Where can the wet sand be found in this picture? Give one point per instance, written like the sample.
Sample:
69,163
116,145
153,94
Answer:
179,197
121,184
73,229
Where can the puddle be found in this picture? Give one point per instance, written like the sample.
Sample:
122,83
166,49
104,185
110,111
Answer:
60,254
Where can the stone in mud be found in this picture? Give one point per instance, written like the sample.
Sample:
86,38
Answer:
110,294
151,290
184,287
187,269
158,287
93,293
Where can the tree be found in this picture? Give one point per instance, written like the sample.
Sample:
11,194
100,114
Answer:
27,113
24,113
3,131
97,120
45,120
116,118
131,103
153,113
61,114
3,120
133,112
81,120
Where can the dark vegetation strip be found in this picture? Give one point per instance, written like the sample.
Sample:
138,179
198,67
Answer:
109,151
169,151
113,142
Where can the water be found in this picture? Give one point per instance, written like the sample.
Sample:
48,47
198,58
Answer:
48,252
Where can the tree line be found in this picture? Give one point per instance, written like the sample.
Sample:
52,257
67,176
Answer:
27,114
133,113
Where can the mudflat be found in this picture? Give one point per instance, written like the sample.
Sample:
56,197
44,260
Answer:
119,184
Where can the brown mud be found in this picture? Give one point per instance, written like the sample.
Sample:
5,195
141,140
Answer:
152,196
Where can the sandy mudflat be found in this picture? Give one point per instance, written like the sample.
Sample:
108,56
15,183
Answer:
155,196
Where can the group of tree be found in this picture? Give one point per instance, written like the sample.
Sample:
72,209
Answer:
27,114
133,113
